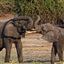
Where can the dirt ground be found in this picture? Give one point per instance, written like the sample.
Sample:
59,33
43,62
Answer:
35,49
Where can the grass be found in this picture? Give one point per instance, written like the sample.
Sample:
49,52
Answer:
37,63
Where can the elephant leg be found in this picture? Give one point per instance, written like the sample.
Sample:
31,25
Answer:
8,46
53,52
18,45
52,56
60,53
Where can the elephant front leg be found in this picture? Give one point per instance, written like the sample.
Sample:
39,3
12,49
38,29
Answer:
8,46
52,56
60,54
18,45
54,51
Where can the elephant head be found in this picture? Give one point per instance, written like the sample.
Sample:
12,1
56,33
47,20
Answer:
28,22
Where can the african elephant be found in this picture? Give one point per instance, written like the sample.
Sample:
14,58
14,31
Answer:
12,31
55,35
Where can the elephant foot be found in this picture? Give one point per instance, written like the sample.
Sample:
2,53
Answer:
6,61
20,61
61,62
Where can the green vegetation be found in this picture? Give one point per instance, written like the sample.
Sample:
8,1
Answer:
47,9
38,63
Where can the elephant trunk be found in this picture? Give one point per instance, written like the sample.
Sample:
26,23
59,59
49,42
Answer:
30,23
37,26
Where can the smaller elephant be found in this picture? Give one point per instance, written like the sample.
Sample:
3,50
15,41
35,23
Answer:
55,35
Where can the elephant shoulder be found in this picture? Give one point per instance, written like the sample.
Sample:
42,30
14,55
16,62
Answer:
10,30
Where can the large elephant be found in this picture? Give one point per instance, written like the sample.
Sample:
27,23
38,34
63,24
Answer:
27,20
11,32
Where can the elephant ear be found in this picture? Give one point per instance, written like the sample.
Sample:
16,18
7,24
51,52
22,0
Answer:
47,27
49,36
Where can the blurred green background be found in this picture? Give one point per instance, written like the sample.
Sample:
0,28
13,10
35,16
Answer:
49,10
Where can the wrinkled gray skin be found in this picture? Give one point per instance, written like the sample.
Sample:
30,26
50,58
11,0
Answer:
54,34
13,30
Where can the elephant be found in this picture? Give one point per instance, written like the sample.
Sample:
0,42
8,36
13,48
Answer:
55,35
11,31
